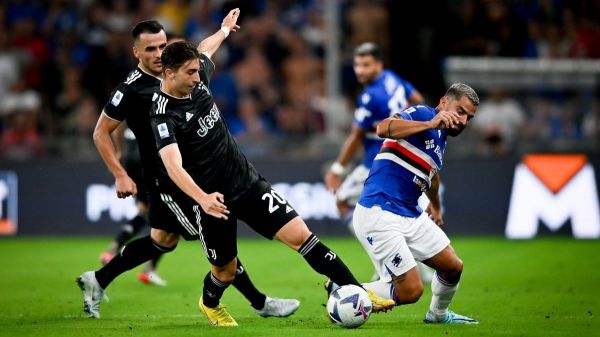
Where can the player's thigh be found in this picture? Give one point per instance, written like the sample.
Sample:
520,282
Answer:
381,235
267,211
170,212
426,239
352,186
175,212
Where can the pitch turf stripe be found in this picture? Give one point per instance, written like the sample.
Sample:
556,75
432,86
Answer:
178,213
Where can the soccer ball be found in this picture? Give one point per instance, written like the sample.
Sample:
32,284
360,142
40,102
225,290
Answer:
349,306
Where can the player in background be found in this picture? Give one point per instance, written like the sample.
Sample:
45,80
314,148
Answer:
131,102
388,222
384,94
127,151
202,158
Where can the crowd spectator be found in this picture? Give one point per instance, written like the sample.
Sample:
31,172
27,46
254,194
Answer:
269,79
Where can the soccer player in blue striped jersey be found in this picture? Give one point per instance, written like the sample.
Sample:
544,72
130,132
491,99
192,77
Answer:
388,221
384,94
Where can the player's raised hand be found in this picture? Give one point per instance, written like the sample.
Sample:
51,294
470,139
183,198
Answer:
125,186
230,21
332,181
213,205
445,120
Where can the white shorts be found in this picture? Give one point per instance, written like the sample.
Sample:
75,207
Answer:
393,242
352,186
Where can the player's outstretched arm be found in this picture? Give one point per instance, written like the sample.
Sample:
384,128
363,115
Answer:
211,203
210,45
351,145
124,185
398,128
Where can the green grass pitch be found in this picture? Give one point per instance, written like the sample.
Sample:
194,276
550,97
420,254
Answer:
544,287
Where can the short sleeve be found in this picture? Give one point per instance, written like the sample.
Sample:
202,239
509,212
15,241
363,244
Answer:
207,67
163,124
417,113
118,103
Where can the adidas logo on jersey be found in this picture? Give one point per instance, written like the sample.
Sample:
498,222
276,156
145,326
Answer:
188,116
288,209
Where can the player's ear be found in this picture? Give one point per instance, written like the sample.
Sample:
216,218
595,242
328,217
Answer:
443,102
135,51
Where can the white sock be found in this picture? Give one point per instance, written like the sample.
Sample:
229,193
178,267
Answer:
441,296
381,288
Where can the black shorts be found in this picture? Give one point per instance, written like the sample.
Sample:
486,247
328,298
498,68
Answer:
136,172
263,209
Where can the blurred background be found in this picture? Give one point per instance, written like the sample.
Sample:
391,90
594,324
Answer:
285,84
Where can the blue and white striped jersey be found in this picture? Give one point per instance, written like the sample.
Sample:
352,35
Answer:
387,95
403,168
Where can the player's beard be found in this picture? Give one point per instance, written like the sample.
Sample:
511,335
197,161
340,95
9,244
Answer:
453,132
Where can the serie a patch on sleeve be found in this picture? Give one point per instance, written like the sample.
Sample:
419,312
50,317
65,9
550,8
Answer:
163,131
116,99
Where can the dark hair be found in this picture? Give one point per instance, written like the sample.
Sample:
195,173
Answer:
368,48
458,90
148,26
177,54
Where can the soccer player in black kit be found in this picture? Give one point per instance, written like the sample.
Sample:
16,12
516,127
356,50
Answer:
130,102
204,161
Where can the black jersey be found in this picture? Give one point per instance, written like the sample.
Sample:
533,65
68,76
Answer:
130,102
209,153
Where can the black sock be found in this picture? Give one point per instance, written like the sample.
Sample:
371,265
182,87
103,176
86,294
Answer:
324,261
130,229
243,284
133,254
213,290
154,261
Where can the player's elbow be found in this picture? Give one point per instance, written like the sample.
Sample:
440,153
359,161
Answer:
98,136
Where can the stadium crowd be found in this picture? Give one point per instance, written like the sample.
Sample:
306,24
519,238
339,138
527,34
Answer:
59,60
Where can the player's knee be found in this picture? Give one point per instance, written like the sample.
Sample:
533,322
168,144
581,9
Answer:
294,233
453,272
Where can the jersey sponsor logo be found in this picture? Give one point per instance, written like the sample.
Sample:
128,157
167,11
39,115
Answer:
116,99
429,144
440,154
554,189
163,131
422,185
208,122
